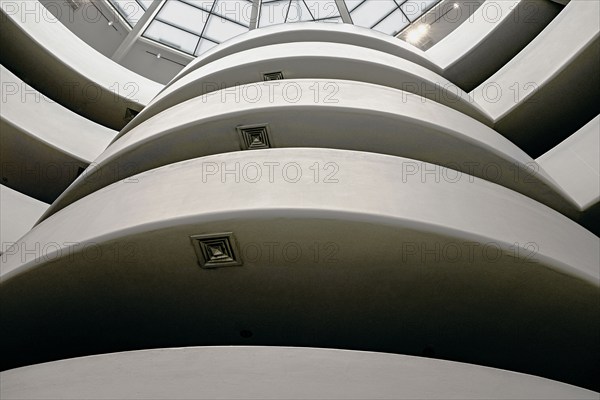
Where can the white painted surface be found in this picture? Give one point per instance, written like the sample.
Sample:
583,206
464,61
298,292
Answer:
18,215
273,373
117,269
311,32
315,60
471,33
575,164
35,115
65,46
60,65
348,115
367,190
569,34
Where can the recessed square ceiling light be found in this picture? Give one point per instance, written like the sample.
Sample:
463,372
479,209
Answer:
216,250
254,137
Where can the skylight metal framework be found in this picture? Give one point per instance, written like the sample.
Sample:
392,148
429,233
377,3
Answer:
387,16
131,10
195,26
274,12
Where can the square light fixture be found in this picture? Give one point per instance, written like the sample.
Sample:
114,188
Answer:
216,250
272,76
254,137
130,114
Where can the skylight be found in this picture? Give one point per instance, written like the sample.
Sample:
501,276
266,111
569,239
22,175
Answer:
387,16
286,11
131,10
195,26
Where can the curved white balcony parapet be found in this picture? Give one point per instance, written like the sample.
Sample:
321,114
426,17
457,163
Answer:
575,165
493,34
458,43
327,114
39,116
39,49
481,40
551,87
44,145
316,61
384,242
244,372
311,32
18,215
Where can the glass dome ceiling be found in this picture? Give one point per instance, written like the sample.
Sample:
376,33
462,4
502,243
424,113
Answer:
195,26
131,10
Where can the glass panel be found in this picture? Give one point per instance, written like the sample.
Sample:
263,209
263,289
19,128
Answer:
203,4
219,29
352,4
145,3
172,37
335,20
415,8
322,9
236,10
131,10
183,16
371,11
393,23
204,46
181,23
273,12
298,12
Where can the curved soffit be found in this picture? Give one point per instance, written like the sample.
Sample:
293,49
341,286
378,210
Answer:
348,115
373,233
317,60
310,32
278,373
63,67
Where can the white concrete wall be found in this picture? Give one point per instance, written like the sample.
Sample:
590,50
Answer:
483,261
361,174
343,115
63,67
89,22
579,22
470,34
273,373
489,38
18,214
43,145
476,267
549,89
481,39
35,115
310,32
575,164
316,60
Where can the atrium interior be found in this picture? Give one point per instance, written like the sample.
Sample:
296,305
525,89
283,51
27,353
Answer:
327,199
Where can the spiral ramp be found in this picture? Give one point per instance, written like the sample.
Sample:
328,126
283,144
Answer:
304,211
